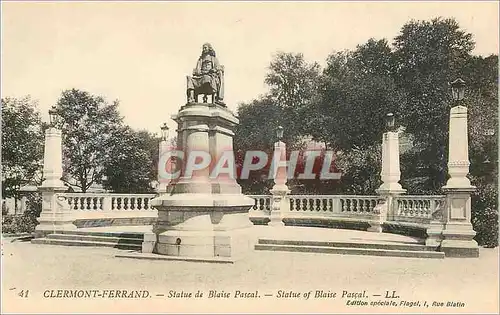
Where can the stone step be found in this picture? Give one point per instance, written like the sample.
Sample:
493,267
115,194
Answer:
136,235
92,238
352,244
350,251
65,242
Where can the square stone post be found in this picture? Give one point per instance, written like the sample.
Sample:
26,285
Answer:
163,182
280,204
390,175
56,214
458,233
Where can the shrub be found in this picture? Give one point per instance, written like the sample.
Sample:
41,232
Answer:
485,215
26,222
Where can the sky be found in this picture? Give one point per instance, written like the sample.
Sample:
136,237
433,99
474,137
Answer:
141,52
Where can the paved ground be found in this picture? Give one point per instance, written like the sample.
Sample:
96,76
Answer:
38,268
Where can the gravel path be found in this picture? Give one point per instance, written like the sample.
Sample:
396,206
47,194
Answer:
39,268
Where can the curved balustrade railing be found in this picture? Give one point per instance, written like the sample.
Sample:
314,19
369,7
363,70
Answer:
404,209
333,204
417,208
108,202
262,203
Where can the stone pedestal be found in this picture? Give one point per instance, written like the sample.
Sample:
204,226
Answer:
390,175
163,182
205,214
458,233
280,204
56,214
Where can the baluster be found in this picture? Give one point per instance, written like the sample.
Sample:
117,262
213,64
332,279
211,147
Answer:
292,204
364,205
147,203
99,203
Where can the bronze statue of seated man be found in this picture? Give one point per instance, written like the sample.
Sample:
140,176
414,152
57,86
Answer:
207,79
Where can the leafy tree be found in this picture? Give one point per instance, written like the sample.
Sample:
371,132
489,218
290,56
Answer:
429,55
90,128
22,145
293,85
357,93
133,164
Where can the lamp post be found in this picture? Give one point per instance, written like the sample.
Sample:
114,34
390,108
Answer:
390,122
390,175
458,234
162,164
279,191
56,214
164,131
458,90
53,116
279,133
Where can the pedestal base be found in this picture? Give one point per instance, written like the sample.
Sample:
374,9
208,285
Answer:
45,228
458,242
201,226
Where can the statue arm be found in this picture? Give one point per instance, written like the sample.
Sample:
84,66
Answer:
197,70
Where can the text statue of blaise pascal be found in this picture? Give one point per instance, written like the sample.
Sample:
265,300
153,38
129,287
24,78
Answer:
207,79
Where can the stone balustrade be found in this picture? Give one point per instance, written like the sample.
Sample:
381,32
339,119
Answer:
262,203
333,204
108,202
416,210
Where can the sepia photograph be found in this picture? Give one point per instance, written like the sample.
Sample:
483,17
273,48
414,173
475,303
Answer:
326,157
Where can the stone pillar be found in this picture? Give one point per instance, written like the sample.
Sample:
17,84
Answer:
56,214
390,175
458,233
204,215
280,203
163,148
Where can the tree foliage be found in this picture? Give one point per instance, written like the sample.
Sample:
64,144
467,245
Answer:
22,145
344,106
90,128
133,164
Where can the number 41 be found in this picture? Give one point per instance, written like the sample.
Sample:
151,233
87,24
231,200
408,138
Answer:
23,293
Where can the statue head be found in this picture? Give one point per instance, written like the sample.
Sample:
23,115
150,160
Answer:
207,49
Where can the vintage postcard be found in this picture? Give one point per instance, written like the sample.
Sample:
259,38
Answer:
249,157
